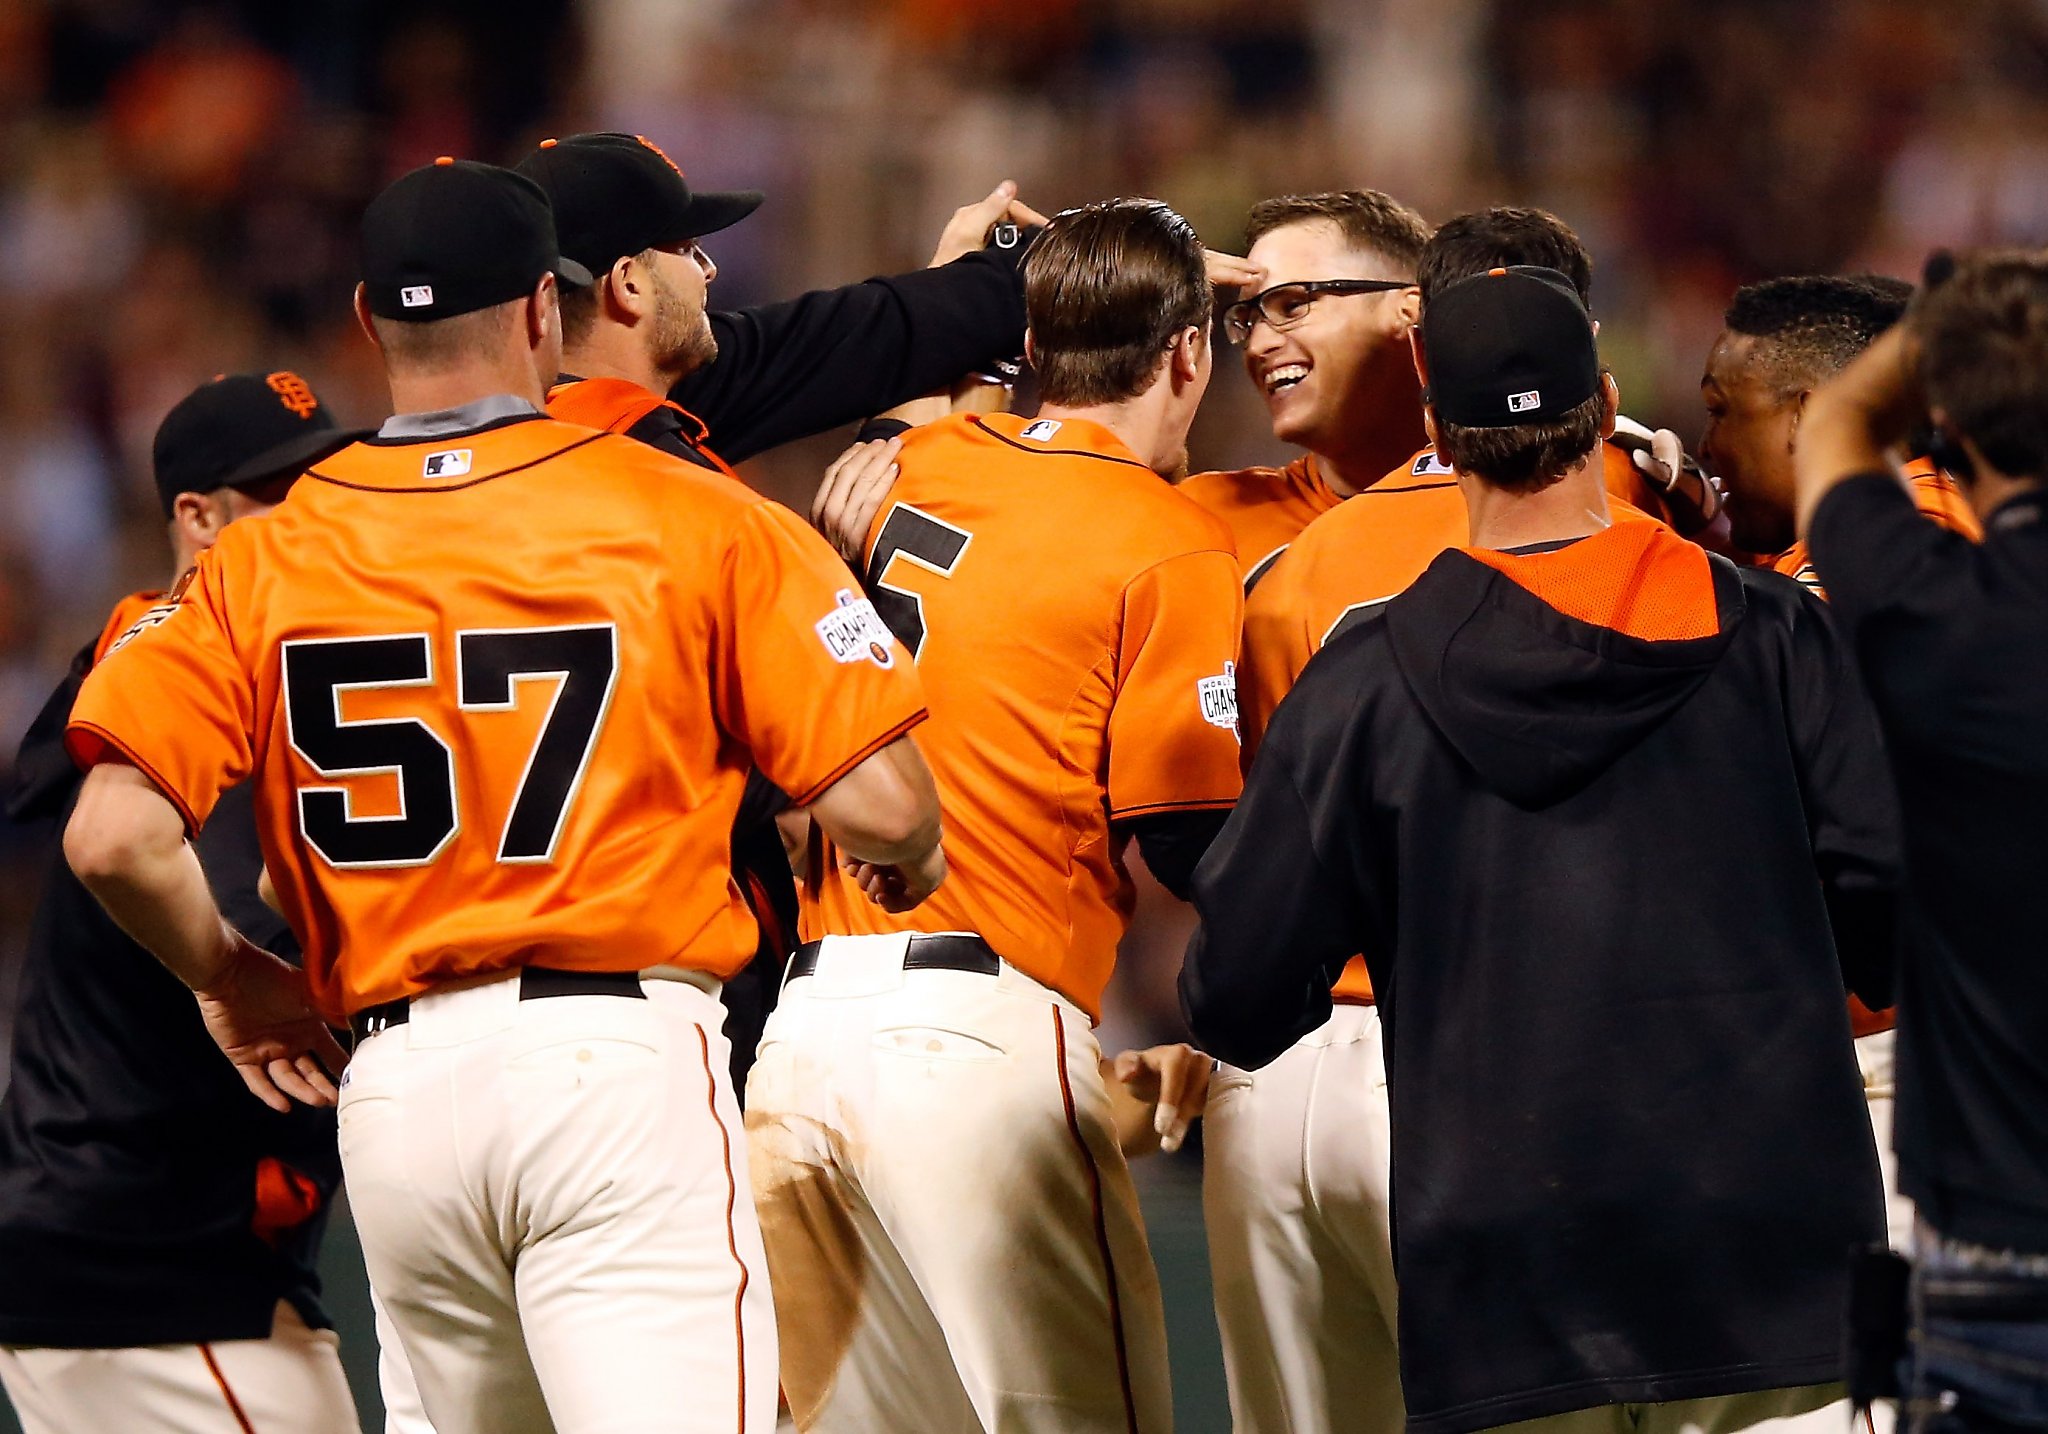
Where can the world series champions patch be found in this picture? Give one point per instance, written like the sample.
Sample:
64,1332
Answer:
855,632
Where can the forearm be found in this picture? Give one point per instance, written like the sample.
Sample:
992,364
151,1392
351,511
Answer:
885,811
1838,440
127,845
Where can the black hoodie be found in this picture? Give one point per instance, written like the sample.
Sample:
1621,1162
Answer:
1593,877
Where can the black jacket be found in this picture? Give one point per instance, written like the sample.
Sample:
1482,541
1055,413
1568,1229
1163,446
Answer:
1592,876
1953,640
129,1147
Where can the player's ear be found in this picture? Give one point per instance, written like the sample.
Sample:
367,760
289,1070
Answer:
1610,404
1030,349
362,308
543,313
1429,427
1415,347
1186,356
1408,304
197,519
626,287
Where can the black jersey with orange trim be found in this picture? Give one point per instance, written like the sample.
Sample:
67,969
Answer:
144,1197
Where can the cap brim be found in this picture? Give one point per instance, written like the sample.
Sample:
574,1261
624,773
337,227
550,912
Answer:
292,457
571,272
721,209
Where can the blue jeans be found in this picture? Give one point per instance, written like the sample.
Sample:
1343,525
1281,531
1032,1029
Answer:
1979,1357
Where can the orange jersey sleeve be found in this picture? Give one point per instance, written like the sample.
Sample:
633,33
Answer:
1264,508
1277,645
1173,738
800,629
173,696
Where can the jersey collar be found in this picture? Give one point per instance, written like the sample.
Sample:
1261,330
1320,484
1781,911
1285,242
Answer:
470,417
1070,437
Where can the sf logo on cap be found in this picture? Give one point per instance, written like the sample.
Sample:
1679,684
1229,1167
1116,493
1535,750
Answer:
416,296
293,392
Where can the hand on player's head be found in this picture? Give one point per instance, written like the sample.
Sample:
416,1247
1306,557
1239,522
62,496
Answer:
969,227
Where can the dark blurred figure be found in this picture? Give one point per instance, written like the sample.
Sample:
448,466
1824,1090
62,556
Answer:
1953,640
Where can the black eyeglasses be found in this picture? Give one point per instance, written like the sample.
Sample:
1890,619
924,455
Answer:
1285,305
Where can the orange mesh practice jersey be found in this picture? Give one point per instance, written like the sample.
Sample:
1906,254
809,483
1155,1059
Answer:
1341,568
1075,621
1264,508
1935,494
500,691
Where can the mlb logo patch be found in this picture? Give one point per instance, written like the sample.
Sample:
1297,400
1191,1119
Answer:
1218,696
1041,430
1429,465
1525,402
448,463
416,296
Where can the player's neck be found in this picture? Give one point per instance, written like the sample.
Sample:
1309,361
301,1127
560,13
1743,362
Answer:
432,391
1382,436
1139,423
1573,507
614,352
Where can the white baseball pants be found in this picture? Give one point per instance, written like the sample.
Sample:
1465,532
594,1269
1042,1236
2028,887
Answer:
290,1383
552,1199
1802,1409
1295,1200
954,1234
1874,1056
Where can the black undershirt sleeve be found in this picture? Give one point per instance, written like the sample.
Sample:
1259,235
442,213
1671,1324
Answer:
1174,843
791,370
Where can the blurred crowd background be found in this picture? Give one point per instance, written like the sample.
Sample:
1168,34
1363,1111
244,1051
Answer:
179,186
179,183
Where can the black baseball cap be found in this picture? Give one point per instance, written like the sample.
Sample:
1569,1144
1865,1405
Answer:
617,194
243,430
455,236
1509,347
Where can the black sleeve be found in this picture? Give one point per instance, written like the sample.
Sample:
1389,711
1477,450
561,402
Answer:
1283,893
1851,804
1174,842
44,778
790,370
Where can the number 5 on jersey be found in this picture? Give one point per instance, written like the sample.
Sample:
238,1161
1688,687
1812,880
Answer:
490,665
923,541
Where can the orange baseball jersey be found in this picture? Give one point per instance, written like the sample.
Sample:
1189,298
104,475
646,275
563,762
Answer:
1264,508
1343,566
499,692
1934,493
1075,620
127,616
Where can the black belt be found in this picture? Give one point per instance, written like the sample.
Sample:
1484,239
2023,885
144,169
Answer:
924,953
536,983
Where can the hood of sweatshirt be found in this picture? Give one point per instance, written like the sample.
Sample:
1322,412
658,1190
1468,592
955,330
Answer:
1542,670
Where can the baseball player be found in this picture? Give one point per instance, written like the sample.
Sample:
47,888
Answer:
1325,341
1783,339
157,1227
1295,1184
498,680
955,1239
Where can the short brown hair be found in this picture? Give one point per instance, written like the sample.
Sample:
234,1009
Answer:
1499,238
1106,288
1367,219
1984,357
1527,457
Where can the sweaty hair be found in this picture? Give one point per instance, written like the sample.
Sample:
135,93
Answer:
1528,457
1807,328
1368,220
1498,238
1106,288
1984,358
444,343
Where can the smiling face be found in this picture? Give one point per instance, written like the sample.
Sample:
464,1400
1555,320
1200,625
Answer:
1752,420
1320,373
